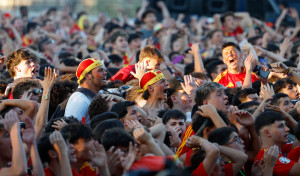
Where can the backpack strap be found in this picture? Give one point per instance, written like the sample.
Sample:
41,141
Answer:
86,92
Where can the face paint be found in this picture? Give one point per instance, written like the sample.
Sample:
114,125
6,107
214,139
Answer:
98,75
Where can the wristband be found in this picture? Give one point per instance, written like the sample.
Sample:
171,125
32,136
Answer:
45,97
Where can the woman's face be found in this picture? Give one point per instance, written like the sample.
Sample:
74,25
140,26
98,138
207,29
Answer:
235,142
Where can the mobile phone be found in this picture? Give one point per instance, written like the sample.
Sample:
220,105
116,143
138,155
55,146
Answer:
261,72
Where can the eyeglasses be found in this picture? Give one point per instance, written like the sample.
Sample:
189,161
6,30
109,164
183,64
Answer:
37,91
235,139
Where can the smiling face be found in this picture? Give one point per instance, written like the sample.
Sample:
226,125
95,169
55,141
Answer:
98,77
232,58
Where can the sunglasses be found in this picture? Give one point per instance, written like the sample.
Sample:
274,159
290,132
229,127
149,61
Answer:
37,91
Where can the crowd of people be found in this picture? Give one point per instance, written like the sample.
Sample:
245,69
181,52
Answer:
172,96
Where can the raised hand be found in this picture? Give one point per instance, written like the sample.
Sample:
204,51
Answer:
189,85
279,67
10,118
99,155
207,110
58,142
175,139
141,135
270,156
49,79
59,124
28,134
244,118
266,91
132,124
140,70
130,158
248,63
194,141
114,158
194,49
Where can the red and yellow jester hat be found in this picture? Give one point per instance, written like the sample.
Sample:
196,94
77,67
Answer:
150,78
86,66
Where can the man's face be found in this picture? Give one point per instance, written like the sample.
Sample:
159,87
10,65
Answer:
132,114
220,69
120,44
292,91
18,24
135,44
36,94
285,104
150,19
217,37
83,149
219,99
177,125
231,57
252,97
152,64
160,89
279,132
230,23
99,77
183,99
72,153
49,27
25,68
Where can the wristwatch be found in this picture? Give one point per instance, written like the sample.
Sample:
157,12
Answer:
46,97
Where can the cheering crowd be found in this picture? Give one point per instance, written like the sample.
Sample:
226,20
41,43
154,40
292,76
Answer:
161,96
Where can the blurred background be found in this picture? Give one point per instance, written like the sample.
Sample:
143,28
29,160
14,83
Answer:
266,10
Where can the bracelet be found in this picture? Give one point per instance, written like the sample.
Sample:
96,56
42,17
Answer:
45,97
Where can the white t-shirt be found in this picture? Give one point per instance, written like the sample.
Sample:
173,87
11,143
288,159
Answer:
77,106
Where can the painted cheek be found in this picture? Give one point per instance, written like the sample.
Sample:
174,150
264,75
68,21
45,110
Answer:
98,75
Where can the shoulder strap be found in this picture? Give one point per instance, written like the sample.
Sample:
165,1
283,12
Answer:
86,92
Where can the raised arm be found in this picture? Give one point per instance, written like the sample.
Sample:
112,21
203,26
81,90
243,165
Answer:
143,137
212,152
29,107
60,147
238,158
198,64
18,164
42,114
28,136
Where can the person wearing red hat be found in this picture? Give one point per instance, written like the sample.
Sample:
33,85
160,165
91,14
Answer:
91,77
154,87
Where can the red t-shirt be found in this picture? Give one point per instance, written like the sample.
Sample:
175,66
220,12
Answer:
282,166
294,154
48,172
124,74
234,80
237,31
151,163
183,148
199,171
87,170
